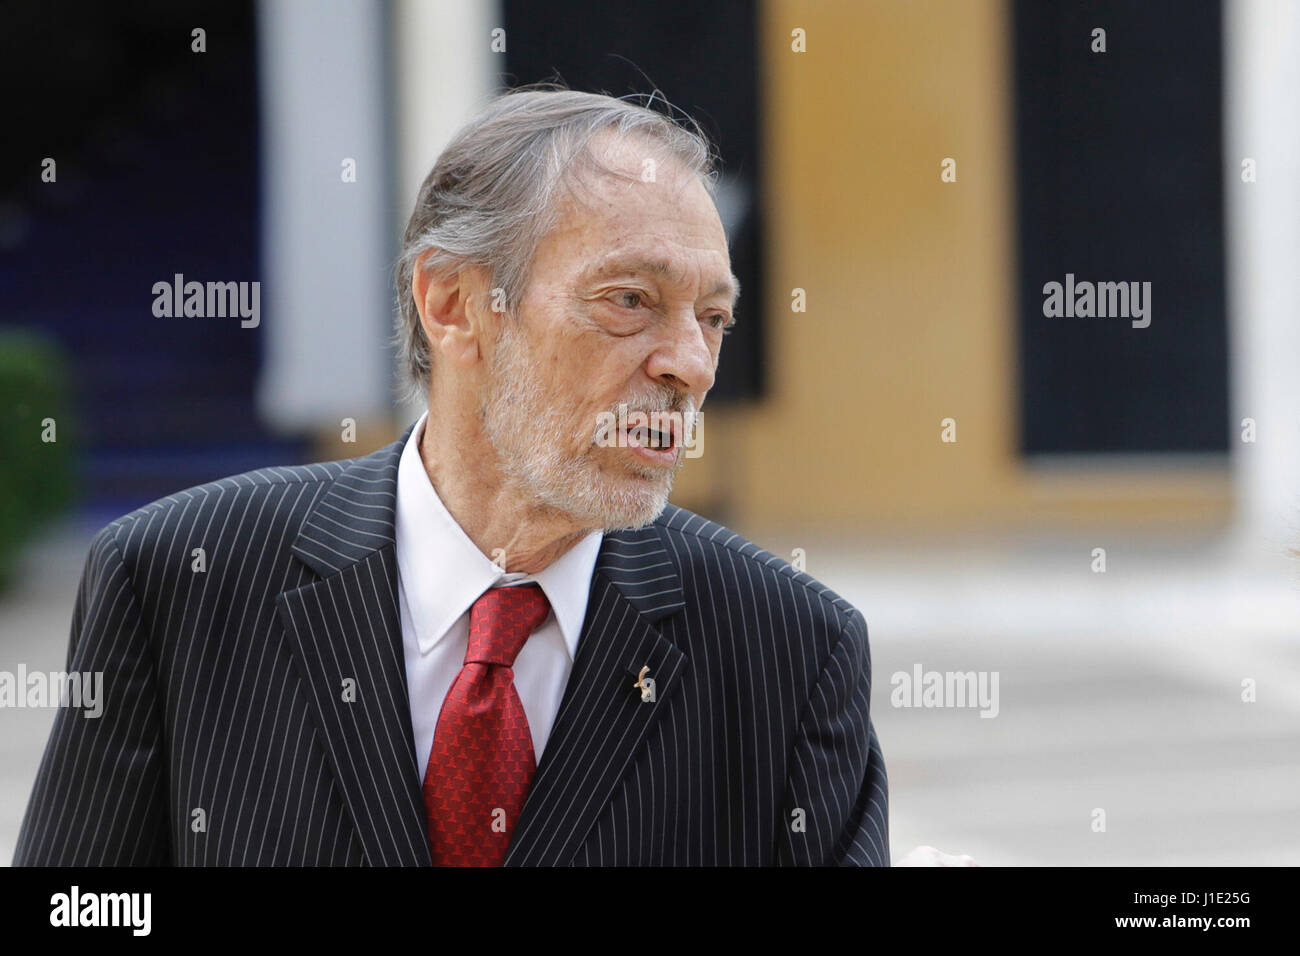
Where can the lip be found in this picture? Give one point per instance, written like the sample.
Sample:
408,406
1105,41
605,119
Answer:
657,456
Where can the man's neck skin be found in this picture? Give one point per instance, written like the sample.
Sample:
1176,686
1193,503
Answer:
494,514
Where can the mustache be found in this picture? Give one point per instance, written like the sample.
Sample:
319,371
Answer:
665,404
663,400
683,410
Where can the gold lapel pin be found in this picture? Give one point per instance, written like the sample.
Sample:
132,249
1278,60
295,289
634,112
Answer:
647,685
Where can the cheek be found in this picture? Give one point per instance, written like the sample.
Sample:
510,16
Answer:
588,374
600,367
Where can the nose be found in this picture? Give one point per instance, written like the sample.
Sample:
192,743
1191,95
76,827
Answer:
684,358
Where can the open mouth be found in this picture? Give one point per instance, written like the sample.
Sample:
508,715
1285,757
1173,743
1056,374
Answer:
648,437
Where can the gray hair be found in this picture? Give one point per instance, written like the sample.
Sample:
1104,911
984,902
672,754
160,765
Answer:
493,193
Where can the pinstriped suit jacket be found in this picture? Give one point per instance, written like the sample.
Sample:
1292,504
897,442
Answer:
225,737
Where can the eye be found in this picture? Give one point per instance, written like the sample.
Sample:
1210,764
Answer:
636,298
720,320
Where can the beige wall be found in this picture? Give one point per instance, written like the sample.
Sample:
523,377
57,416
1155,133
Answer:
909,285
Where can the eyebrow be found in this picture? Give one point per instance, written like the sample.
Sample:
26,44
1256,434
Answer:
623,263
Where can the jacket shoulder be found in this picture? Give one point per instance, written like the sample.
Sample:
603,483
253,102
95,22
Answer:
273,502
700,544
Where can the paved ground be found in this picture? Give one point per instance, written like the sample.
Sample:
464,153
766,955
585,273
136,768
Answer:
1118,691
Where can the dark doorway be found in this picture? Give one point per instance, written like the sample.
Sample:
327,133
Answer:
1119,178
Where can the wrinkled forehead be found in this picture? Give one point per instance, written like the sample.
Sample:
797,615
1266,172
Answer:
630,193
627,174
649,261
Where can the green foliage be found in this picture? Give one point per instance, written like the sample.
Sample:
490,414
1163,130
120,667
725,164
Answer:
35,475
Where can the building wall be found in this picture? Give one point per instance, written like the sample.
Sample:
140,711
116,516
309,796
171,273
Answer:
909,283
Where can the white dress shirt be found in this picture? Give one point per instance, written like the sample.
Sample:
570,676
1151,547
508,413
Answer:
441,574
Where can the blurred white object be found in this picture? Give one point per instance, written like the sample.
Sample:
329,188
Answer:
328,235
929,856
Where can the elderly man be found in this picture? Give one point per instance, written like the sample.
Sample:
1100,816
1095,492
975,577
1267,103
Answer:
493,641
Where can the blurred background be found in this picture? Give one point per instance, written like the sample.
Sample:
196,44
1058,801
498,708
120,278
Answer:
1101,516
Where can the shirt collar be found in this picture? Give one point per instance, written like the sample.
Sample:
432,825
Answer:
442,572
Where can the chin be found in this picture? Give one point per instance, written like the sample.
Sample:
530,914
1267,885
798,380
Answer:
637,514
593,498
631,506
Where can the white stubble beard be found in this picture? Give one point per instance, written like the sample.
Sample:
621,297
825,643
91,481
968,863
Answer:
528,434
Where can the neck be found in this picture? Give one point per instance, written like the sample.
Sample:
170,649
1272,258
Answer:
496,515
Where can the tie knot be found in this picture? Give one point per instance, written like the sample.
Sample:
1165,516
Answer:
501,620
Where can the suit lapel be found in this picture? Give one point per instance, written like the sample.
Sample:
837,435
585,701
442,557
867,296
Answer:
344,631
603,723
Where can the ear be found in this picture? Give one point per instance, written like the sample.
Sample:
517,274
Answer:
452,307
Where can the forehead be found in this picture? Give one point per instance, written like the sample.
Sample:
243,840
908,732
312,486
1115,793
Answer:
617,209
652,261
631,176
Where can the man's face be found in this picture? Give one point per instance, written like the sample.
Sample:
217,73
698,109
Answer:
626,305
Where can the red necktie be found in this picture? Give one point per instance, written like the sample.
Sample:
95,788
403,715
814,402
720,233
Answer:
482,762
